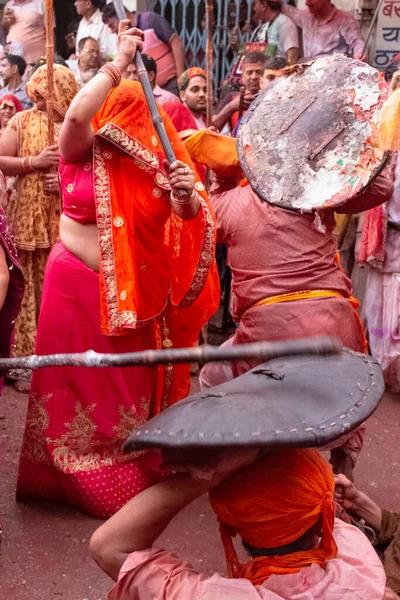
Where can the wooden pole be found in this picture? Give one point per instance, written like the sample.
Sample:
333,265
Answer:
262,351
209,59
148,92
50,69
378,8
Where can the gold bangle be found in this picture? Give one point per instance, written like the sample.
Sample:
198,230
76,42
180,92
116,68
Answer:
185,200
27,164
112,72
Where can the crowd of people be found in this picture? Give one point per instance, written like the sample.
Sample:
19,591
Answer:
104,245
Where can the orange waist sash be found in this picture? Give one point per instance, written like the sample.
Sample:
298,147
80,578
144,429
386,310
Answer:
309,294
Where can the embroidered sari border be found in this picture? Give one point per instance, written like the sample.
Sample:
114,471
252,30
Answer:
117,320
148,161
205,258
137,151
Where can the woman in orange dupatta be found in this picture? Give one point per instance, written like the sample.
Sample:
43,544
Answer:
133,270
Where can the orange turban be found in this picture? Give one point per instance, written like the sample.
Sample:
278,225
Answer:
272,503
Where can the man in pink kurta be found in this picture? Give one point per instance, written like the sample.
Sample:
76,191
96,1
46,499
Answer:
355,574
338,563
326,29
272,252
24,22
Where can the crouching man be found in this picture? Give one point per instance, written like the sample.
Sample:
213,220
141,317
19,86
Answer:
281,505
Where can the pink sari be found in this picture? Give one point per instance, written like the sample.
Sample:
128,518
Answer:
157,287
78,419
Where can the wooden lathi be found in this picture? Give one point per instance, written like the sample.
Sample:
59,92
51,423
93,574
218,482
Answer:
316,346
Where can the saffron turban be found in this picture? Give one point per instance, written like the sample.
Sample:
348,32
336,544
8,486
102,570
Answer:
273,503
183,80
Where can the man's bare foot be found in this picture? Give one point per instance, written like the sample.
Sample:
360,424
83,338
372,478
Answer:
22,385
342,463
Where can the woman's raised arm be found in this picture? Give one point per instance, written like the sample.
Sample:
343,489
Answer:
76,136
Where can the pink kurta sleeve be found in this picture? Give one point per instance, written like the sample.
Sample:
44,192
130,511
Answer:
378,192
154,573
289,35
352,35
158,575
224,196
298,16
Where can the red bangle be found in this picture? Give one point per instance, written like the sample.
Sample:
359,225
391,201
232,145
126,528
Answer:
112,72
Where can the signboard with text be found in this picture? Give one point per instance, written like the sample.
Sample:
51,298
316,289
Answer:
387,34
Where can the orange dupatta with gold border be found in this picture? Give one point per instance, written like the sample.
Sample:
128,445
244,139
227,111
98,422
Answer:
155,268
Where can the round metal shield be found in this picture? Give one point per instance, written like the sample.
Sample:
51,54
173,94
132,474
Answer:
310,138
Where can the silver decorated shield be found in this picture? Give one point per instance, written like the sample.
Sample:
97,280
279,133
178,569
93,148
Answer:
310,138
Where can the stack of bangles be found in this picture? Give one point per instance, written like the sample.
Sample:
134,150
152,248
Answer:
27,164
186,199
112,72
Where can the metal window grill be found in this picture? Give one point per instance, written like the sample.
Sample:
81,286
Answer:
188,18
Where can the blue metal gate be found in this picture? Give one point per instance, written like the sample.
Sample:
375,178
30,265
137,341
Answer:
188,18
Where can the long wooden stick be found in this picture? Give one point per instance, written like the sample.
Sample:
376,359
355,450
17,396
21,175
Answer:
209,59
262,351
50,69
378,8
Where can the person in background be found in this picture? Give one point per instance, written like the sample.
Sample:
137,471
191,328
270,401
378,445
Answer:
58,60
193,93
9,106
276,30
24,23
92,25
3,36
392,73
161,42
326,29
35,207
228,110
13,47
11,284
184,123
88,62
12,70
186,126
282,508
11,280
272,66
70,40
162,96
380,251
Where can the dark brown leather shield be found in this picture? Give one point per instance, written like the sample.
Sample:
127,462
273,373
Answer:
296,401
310,138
